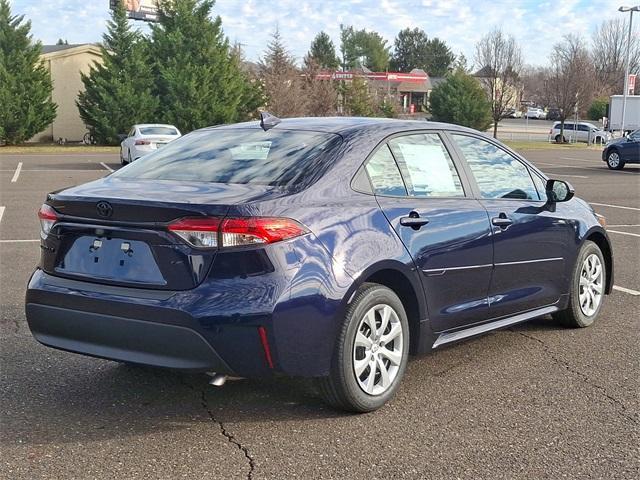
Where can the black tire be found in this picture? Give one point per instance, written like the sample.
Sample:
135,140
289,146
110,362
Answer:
573,316
340,388
614,162
560,139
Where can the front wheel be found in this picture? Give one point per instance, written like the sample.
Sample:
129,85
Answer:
614,162
371,352
588,285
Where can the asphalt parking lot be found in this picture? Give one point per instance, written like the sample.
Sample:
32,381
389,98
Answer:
535,401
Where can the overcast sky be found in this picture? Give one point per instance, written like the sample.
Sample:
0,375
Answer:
536,25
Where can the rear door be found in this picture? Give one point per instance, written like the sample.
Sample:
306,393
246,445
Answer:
424,197
530,240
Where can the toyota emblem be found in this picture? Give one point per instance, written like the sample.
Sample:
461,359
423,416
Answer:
105,209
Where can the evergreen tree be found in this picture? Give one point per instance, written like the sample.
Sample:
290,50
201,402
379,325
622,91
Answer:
323,52
358,98
25,84
363,49
460,99
410,50
440,58
283,83
118,93
413,49
198,80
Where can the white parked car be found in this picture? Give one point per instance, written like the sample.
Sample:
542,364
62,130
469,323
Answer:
579,132
537,113
146,138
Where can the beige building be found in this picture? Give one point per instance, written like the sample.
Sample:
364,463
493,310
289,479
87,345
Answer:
66,63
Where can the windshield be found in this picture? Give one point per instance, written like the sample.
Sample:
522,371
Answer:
279,158
158,131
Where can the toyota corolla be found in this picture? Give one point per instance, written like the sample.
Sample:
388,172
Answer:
331,248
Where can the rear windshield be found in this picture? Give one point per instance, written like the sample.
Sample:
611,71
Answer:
158,131
280,158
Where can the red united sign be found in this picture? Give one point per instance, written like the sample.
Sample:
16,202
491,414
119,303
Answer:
632,84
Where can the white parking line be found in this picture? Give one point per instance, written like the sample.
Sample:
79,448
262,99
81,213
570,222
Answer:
615,206
626,290
14,179
572,176
1,212
18,241
623,233
578,159
106,166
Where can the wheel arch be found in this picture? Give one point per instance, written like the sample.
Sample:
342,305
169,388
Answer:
405,283
603,243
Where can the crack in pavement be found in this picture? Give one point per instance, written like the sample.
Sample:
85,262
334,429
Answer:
230,438
585,378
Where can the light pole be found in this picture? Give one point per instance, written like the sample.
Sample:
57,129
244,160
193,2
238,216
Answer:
626,70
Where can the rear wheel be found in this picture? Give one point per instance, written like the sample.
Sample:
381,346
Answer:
587,288
371,352
560,139
614,162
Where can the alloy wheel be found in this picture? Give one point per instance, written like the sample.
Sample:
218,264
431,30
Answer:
591,285
614,160
377,349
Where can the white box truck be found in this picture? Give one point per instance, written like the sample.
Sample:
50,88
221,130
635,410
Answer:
631,116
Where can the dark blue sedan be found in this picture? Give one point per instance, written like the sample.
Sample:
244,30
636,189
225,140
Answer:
620,151
316,247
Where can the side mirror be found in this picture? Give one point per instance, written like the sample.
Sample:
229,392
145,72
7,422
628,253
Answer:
122,136
559,191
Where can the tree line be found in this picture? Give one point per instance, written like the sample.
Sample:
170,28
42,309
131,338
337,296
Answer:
185,72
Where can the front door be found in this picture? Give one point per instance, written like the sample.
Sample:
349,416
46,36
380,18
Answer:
446,231
529,240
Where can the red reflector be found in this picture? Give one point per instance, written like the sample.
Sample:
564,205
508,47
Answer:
265,345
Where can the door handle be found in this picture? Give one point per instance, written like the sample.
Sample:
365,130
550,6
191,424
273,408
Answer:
501,221
414,220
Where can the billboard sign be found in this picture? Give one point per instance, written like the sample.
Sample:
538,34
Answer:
632,84
145,10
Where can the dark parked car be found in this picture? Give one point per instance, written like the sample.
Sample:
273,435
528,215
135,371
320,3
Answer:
316,247
620,151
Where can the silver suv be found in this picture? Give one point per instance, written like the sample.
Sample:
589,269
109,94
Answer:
579,132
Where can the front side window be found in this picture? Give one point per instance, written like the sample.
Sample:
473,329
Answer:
384,174
428,168
284,158
497,173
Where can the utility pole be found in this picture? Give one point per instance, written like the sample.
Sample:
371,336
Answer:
626,70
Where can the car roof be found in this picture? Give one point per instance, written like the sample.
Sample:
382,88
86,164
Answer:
345,125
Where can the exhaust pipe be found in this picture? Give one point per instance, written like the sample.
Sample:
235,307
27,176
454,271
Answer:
217,379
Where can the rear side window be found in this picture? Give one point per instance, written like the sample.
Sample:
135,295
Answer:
497,173
428,168
158,131
384,174
284,158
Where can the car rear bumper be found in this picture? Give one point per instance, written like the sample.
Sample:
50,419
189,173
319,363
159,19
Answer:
123,339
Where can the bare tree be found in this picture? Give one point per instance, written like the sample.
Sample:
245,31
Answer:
533,84
609,54
570,77
500,62
322,95
283,82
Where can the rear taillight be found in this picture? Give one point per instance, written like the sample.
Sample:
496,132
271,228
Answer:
211,232
199,232
143,142
48,217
